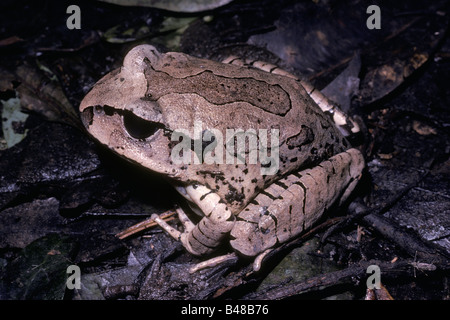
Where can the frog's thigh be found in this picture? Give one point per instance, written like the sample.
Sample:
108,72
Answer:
292,204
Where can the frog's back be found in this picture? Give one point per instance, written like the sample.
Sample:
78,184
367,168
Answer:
228,97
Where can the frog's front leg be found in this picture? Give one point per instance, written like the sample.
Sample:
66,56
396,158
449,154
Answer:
209,233
187,224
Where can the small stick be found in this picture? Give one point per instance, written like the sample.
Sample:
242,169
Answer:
143,225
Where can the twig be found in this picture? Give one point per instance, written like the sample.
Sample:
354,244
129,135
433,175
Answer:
354,274
146,224
339,223
405,239
362,211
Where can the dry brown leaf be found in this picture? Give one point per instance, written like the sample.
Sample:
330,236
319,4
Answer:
423,129
41,95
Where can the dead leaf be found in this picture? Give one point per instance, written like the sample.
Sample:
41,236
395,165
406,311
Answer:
44,96
415,62
10,40
423,129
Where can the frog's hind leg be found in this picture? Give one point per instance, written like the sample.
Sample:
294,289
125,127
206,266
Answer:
346,125
293,204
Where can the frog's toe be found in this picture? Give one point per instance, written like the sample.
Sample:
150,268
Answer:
174,233
259,259
187,223
213,262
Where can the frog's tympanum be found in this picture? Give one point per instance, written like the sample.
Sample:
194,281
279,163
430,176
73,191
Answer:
253,152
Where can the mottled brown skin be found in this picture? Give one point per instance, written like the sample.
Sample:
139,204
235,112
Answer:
171,91
181,89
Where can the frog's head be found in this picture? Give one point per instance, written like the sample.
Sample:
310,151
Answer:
120,114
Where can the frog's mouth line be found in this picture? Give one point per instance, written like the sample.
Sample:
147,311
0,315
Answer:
137,127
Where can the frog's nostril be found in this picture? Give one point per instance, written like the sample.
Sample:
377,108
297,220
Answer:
87,116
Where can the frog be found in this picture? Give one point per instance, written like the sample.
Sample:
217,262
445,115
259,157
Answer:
149,107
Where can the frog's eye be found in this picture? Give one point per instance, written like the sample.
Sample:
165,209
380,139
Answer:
139,128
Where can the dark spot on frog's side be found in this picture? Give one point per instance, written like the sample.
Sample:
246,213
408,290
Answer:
283,159
219,178
234,195
329,149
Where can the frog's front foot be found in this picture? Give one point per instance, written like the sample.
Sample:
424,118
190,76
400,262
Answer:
188,226
183,237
